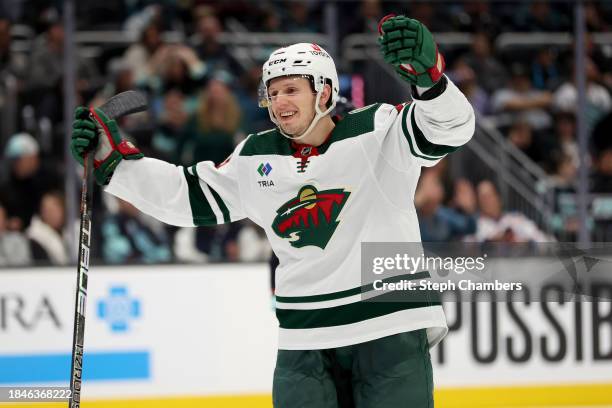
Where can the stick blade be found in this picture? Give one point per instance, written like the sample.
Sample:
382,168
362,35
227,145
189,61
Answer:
124,103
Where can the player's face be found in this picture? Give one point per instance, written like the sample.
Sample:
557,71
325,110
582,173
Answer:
292,101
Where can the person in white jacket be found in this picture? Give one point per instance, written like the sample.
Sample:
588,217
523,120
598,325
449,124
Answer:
47,228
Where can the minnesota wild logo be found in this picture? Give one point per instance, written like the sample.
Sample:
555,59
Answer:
310,218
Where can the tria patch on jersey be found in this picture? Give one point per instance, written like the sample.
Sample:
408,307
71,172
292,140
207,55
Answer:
266,183
311,217
264,169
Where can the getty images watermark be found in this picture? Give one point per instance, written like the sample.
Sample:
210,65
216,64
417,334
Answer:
418,272
414,264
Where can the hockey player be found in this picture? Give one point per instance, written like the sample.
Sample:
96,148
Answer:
319,187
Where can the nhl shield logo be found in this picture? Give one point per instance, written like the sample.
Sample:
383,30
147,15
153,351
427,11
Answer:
310,218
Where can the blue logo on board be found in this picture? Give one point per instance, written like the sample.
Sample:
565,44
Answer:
118,309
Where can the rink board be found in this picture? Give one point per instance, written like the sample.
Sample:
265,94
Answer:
205,335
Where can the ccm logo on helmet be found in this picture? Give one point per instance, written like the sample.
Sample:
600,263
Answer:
278,61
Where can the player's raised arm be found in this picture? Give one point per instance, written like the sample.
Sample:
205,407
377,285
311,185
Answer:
440,119
198,195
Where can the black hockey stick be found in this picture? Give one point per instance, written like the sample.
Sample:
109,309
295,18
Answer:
117,106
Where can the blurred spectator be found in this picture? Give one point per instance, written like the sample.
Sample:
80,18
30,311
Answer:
564,173
599,103
126,238
520,101
210,131
11,63
491,74
563,180
186,248
173,113
366,21
602,175
14,246
474,16
12,72
430,16
45,82
537,148
538,15
252,243
600,138
208,244
565,220
298,18
270,21
27,180
138,56
120,79
177,67
545,73
465,78
443,173
497,226
601,182
601,55
254,118
207,46
437,222
178,77
595,17
163,13
48,228
565,132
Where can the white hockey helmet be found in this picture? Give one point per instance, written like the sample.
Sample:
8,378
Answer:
302,59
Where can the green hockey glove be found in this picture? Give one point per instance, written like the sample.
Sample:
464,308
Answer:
409,46
93,131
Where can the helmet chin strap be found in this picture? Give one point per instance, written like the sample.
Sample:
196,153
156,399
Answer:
318,115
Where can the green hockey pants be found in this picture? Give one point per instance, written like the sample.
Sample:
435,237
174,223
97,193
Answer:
390,372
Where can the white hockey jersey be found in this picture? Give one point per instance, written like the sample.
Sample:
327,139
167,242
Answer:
317,205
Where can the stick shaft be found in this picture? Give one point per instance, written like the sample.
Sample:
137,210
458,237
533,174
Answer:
116,107
76,370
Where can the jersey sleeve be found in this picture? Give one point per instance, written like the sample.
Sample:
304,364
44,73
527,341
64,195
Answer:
430,129
184,196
